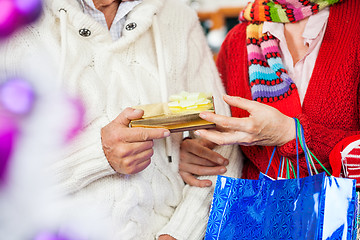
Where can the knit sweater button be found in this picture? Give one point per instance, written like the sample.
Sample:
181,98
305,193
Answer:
84,32
131,26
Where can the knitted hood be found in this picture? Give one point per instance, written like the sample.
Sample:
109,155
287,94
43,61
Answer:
68,14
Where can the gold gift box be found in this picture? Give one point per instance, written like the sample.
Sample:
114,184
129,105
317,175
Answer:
181,113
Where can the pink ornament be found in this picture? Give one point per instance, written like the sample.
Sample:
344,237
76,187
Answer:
29,10
8,133
61,235
17,13
9,19
78,118
50,236
17,96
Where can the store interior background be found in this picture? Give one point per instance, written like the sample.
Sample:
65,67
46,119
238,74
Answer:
217,18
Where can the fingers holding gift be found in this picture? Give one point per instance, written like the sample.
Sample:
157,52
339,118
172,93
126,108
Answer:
144,134
265,125
128,150
228,138
224,123
127,115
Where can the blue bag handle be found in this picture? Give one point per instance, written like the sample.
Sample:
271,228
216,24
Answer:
301,130
297,151
280,167
304,146
271,158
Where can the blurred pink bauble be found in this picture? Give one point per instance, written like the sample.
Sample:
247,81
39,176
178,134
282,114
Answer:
8,132
17,13
29,10
9,19
78,118
50,236
17,96
60,235
16,99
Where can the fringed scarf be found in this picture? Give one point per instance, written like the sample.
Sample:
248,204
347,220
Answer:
269,80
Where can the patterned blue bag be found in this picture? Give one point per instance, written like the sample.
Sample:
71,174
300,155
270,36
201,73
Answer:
314,207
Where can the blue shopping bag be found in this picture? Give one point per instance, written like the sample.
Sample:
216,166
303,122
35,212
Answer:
314,207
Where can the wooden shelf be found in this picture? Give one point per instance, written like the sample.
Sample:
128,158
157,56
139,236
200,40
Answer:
218,17
230,11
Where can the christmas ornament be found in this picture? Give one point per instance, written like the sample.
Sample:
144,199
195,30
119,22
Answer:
17,13
17,96
8,132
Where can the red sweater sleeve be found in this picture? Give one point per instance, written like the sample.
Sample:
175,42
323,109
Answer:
332,102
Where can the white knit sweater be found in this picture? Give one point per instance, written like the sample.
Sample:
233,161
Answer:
164,54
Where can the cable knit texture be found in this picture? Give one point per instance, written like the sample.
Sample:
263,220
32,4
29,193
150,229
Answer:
330,111
112,75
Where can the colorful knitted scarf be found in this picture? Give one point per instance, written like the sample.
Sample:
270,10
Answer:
269,80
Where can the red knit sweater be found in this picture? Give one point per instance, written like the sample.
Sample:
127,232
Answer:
331,108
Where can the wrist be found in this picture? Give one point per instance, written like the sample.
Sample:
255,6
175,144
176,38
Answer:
290,131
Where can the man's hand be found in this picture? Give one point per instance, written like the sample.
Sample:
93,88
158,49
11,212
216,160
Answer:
129,150
198,158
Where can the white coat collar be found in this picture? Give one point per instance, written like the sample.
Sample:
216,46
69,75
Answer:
142,15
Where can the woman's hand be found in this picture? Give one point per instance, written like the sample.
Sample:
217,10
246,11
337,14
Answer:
265,126
198,158
166,237
129,150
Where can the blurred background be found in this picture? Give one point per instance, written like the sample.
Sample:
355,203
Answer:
217,18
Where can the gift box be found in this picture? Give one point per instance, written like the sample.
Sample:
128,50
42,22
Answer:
181,113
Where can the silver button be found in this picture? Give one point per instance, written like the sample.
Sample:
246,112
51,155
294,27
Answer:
131,26
84,32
